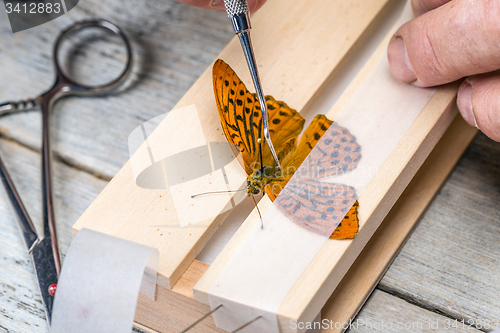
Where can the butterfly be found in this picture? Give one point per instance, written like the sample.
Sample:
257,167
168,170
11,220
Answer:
307,201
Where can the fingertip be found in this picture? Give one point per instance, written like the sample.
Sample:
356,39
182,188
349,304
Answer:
255,5
478,101
399,62
217,5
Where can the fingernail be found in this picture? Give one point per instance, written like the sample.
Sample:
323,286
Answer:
219,4
251,6
464,103
398,60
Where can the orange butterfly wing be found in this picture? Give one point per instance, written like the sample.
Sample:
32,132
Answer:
241,118
317,205
349,226
318,126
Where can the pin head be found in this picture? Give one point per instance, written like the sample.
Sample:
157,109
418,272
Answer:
52,289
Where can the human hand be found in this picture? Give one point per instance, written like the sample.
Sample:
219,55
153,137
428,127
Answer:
253,5
448,41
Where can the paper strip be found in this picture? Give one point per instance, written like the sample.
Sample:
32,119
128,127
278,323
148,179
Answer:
271,260
100,282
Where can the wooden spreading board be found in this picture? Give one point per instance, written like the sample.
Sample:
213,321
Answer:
175,309
127,211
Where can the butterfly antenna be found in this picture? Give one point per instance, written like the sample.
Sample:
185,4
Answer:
218,192
260,154
258,210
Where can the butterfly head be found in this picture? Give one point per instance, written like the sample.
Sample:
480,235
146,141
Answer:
259,178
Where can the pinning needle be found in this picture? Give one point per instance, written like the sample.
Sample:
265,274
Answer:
238,12
201,319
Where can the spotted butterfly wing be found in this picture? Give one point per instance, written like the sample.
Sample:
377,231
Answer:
291,163
241,121
314,204
336,154
318,206
241,118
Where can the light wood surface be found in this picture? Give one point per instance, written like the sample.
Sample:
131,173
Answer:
431,275
312,62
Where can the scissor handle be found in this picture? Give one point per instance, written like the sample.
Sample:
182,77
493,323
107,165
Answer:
68,86
62,87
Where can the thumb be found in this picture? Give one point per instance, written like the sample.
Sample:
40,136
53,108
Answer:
455,40
479,103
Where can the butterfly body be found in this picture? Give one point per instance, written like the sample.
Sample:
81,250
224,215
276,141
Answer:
260,178
309,202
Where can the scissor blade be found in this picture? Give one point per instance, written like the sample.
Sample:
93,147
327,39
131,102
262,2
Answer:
28,231
46,273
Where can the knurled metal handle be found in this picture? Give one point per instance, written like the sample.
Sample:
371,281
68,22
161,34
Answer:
236,7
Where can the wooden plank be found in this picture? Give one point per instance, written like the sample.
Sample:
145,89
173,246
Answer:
451,264
192,275
312,63
385,313
20,301
389,238
335,258
172,313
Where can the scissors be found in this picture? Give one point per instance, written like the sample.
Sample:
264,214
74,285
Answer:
45,252
238,12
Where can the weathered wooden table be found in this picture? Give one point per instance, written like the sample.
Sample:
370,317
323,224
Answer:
446,278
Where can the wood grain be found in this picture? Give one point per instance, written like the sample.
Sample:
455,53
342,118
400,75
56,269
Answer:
21,305
451,264
386,314
92,133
